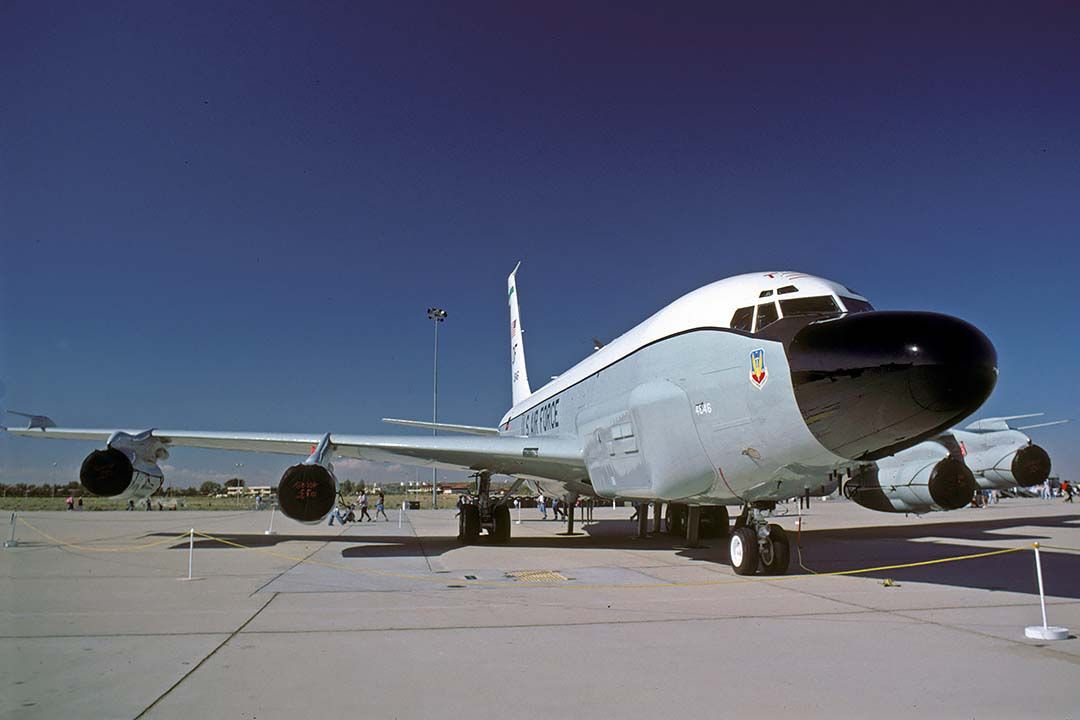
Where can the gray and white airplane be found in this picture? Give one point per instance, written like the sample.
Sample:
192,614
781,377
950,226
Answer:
997,456
746,391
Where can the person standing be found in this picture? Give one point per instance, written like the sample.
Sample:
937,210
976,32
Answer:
1067,489
554,508
380,506
363,508
80,502
71,502
541,506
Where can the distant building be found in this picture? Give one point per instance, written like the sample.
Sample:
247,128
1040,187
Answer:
251,491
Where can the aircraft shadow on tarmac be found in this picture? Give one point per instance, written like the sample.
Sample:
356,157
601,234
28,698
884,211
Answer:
822,550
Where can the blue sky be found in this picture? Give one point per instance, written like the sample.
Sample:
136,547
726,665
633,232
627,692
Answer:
234,215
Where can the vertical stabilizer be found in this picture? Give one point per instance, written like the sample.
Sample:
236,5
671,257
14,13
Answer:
519,376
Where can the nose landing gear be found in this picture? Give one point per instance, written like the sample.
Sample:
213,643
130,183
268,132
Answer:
758,543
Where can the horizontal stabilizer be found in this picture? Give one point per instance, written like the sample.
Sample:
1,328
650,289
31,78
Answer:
1043,424
998,423
37,422
445,427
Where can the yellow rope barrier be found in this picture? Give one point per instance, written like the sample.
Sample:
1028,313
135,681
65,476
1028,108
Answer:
100,548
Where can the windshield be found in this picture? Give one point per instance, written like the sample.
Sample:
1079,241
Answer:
856,306
822,305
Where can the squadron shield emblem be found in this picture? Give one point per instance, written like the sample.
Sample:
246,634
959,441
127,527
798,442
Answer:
759,374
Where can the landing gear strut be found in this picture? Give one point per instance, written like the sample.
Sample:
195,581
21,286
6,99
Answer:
758,543
482,512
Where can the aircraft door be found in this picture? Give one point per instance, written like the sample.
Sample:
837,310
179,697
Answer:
723,420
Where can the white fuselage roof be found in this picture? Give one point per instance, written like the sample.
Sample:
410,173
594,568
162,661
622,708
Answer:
709,306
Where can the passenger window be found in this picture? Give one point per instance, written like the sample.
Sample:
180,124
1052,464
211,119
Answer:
856,306
766,315
743,319
823,305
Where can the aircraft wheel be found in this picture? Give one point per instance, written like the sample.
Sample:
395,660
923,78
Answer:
715,522
501,533
470,524
776,553
743,549
676,519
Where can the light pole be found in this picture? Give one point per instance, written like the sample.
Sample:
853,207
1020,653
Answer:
436,315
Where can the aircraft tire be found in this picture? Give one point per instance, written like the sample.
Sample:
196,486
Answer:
501,532
470,524
676,519
743,550
715,522
777,559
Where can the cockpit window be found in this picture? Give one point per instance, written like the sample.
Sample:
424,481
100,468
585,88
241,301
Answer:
856,306
787,289
822,305
743,319
766,315
765,293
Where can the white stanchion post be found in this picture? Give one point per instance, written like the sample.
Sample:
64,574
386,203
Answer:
270,530
612,504
12,542
191,551
401,514
517,504
1044,631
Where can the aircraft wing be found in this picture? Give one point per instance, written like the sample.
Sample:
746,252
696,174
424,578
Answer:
545,457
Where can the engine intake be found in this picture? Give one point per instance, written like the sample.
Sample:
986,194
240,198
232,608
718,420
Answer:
126,467
915,487
106,472
307,492
1030,466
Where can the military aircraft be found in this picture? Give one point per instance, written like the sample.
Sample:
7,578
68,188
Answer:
744,392
996,455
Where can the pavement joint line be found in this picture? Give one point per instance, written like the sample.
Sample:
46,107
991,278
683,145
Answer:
209,655
297,563
854,609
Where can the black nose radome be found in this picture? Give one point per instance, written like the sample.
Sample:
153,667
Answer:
872,384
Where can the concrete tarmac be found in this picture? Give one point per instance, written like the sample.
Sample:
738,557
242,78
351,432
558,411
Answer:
377,621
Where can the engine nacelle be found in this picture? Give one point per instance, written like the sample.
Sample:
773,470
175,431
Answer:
127,467
926,480
307,492
1027,467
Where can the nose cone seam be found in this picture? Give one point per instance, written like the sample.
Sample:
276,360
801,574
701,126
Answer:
871,384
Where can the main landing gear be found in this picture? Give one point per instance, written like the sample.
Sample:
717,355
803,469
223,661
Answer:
484,513
756,542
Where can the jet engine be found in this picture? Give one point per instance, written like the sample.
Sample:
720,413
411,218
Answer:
127,467
927,479
1028,466
307,491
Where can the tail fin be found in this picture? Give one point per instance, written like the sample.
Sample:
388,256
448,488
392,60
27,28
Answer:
519,375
